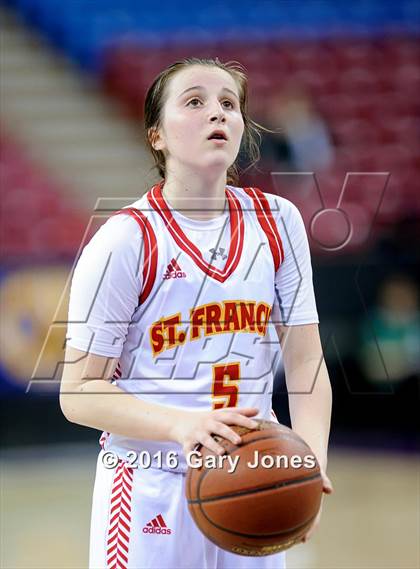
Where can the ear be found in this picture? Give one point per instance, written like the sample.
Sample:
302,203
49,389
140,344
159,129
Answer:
155,138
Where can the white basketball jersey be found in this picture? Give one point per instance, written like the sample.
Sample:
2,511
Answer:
198,339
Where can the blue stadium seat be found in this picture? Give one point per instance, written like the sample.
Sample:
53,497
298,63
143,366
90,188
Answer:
85,28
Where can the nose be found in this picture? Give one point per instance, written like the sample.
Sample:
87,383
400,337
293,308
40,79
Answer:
217,114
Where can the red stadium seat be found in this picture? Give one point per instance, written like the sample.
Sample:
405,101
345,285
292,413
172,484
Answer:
25,184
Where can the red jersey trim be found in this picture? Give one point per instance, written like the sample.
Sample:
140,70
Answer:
268,224
159,204
117,373
150,250
103,439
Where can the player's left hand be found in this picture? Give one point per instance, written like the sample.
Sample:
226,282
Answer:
327,488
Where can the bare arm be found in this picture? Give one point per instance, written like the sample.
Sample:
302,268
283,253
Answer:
308,385
88,398
310,398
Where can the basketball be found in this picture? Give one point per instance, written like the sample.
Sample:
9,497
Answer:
261,496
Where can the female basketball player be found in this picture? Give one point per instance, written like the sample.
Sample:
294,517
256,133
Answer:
168,339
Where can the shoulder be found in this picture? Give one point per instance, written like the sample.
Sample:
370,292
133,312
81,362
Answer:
121,231
281,208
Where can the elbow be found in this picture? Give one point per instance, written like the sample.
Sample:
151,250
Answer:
65,407
68,407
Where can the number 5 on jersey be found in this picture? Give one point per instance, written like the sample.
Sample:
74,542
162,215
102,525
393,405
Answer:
225,386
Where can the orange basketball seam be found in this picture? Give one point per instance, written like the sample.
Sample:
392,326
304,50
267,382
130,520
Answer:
257,490
258,535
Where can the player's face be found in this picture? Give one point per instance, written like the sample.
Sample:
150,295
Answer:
202,123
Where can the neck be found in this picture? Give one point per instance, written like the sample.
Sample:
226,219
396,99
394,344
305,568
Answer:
194,195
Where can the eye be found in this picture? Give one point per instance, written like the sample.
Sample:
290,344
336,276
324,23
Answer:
228,104
194,102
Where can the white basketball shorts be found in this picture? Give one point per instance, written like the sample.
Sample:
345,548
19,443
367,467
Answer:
140,520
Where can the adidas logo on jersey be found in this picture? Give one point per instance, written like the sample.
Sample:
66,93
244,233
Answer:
173,271
157,525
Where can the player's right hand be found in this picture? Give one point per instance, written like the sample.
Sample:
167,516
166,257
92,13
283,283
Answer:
197,427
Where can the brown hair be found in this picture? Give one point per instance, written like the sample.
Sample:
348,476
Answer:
155,99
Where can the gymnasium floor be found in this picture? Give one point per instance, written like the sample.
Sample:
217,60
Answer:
371,522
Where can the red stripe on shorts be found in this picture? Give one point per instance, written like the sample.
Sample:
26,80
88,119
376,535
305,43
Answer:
118,538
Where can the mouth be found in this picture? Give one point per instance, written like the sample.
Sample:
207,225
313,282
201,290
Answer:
218,135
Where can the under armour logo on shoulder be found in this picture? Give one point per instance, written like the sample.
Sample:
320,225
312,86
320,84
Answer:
220,252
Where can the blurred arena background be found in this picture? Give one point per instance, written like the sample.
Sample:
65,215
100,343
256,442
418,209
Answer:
342,80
